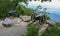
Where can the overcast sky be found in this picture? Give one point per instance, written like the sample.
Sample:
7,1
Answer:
54,3
53,7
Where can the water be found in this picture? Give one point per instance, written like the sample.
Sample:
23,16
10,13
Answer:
52,7
55,17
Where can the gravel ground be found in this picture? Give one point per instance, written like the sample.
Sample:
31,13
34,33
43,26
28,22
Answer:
12,31
15,30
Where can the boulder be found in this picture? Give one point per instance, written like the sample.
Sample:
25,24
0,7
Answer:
42,29
50,22
16,20
25,18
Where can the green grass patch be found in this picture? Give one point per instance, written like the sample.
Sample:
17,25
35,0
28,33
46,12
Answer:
52,31
33,30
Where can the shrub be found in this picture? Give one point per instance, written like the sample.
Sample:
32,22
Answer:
22,10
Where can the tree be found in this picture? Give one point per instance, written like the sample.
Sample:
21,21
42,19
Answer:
44,16
6,5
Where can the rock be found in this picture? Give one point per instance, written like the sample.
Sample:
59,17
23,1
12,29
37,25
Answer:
13,31
18,29
16,20
22,24
50,22
1,23
42,29
26,18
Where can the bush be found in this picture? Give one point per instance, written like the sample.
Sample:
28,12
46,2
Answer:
22,10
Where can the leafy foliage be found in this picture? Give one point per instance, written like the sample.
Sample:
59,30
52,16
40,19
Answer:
22,10
6,5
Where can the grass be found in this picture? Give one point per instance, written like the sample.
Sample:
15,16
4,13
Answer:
33,30
52,31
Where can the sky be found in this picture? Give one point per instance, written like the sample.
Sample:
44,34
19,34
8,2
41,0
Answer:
53,7
54,3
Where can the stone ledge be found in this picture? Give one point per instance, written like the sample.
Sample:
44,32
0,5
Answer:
26,18
42,29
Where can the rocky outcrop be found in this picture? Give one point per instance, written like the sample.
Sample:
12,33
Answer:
42,29
16,20
50,22
25,18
